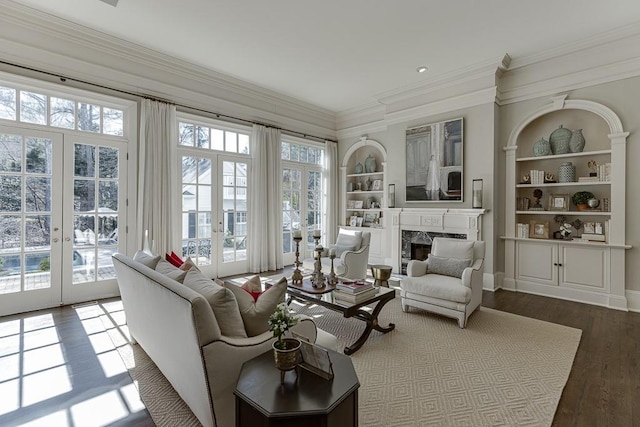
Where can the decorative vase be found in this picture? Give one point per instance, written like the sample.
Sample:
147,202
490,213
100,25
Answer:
359,168
566,172
288,357
593,203
582,207
370,164
542,147
559,140
576,143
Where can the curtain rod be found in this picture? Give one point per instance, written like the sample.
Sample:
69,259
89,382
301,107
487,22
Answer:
64,79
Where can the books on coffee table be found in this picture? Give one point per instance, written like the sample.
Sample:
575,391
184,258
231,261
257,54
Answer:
353,287
354,298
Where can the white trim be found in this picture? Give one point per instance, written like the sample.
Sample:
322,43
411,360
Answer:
633,300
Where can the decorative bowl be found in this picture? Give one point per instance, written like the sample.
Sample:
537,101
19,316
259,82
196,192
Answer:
593,203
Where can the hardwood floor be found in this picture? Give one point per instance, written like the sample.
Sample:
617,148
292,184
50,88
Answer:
57,365
604,385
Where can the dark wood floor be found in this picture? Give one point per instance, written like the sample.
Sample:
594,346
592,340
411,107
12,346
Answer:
603,388
604,385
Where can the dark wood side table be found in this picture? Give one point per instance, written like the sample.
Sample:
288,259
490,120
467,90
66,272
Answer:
305,399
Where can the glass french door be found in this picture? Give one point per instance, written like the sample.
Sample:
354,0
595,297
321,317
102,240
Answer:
214,213
301,208
42,261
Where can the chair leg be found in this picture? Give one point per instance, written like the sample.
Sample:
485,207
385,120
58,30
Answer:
405,307
462,322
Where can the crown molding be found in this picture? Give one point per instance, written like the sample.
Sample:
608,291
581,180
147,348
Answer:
129,65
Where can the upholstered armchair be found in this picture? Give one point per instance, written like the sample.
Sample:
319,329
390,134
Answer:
352,255
449,282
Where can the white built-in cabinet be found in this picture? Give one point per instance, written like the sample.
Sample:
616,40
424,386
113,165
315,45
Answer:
591,272
364,195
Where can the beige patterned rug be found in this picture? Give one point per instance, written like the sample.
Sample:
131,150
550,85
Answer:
502,369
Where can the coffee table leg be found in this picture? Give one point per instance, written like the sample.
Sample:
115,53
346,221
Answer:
371,319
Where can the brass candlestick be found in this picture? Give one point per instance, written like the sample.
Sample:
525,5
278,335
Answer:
317,279
297,274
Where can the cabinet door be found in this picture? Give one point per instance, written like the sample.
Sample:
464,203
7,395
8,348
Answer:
584,267
537,262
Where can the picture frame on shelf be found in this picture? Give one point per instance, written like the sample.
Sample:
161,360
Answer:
351,204
377,185
370,219
538,229
353,221
358,204
359,221
434,167
559,202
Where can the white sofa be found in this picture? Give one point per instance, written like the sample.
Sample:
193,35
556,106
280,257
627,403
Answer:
177,328
444,284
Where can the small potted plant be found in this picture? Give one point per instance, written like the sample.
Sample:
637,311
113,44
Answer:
581,198
286,350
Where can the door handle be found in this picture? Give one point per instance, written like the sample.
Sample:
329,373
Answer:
55,240
67,239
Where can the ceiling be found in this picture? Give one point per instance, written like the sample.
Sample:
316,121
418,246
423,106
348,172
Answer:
344,54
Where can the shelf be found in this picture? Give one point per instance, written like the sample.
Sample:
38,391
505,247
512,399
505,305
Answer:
564,184
576,242
365,210
582,213
564,156
365,192
357,175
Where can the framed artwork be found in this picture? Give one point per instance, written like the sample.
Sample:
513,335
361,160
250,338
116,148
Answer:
434,162
370,218
539,229
377,185
351,204
559,202
353,221
359,221
358,204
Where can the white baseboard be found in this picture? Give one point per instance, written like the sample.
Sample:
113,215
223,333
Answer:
492,282
633,300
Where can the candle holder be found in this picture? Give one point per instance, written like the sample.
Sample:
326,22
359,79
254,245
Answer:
317,278
297,274
333,279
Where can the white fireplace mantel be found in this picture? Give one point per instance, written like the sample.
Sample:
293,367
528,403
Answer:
443,220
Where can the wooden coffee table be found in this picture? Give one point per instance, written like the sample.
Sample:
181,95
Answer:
306,293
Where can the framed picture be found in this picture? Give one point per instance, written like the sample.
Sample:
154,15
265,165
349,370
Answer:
559,202
370,218
358,204
434,162
351,204
377,185
359,221
539,229
316,359
353,221
589,227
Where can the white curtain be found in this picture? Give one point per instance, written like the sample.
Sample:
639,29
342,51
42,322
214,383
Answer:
265,201
158,190
332,199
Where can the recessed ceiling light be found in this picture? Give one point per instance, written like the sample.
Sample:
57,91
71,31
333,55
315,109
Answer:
422,68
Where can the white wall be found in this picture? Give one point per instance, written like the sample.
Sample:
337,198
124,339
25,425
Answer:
479,162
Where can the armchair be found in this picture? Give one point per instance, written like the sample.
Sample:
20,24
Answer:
352,255
449,282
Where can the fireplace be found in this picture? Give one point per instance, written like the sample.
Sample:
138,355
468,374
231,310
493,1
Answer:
417,245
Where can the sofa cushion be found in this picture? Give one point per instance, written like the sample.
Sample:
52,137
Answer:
454,248
222,301
339,249
170,271
188,264
447,266
255,313
149,260
253,284
349,238
437,286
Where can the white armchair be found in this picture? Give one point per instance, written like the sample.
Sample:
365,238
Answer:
352,255
449,282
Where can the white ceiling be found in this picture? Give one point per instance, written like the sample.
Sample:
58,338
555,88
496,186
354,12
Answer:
343,54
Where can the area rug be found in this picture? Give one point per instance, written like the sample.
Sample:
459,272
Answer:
502,369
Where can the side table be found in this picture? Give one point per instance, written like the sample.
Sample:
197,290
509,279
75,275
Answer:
381,274
305,399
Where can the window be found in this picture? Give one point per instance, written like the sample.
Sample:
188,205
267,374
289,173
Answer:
191,134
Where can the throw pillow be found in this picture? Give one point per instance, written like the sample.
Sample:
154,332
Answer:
149,260
222,301
255,314
339,249
349,238
453,248
447,266
188,264
170,271
254,287
172,260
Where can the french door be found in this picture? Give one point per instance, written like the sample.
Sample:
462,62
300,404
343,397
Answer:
60,211
214,212
302,208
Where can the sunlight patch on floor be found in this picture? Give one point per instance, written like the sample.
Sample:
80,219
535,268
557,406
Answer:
101,410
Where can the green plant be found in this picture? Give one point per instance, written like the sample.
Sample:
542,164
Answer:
1,262
45,264
280,322
581,197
